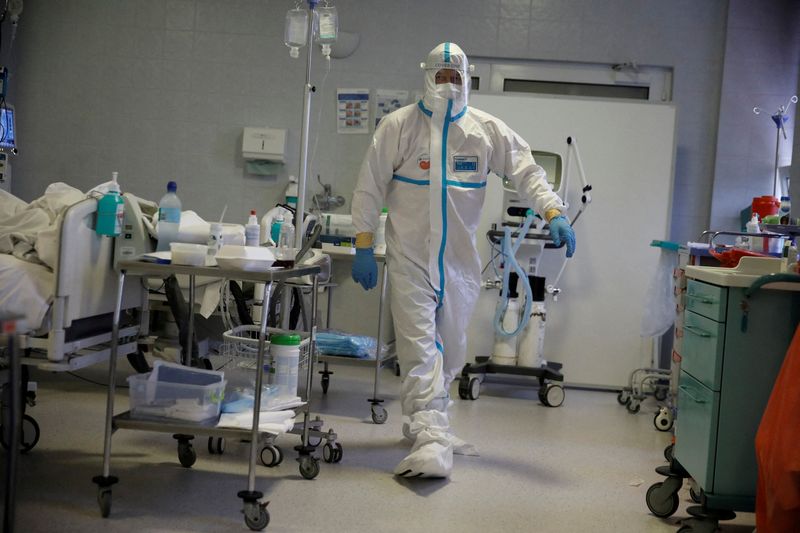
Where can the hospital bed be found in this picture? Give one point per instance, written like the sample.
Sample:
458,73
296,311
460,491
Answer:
68,311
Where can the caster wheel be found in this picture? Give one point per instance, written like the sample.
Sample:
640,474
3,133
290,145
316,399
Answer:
623,398
633,407
326,381
186,454
256,516
338,453
551,395
216,446
668,453
695,496
332,453
379,414
463,388
660,504
29,437
473,389
663,420
328,453
104,501
271,455
660,394
309,467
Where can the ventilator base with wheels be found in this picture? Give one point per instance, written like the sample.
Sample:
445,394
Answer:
550,394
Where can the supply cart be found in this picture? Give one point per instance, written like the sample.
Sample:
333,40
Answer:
738,325
379,413
255,513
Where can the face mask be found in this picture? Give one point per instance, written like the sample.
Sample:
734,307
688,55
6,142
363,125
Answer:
449,91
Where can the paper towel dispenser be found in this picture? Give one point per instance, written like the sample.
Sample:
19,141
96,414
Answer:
264,144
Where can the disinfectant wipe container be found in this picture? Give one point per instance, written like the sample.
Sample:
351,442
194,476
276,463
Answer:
285,352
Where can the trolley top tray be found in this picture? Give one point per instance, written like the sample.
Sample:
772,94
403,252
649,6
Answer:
156,269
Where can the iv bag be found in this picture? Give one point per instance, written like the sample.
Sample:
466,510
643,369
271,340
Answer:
296,30
327,22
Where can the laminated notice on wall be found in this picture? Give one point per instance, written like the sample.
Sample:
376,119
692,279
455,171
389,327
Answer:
386,101
352,111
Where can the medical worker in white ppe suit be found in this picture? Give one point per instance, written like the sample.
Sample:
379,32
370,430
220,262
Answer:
428,163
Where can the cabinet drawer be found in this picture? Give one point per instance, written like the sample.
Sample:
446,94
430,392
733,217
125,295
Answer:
707,300
702,348
696,430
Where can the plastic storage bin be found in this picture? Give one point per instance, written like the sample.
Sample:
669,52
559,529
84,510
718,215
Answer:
154,399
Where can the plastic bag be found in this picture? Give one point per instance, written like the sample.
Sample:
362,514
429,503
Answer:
659,309
333,342
778,452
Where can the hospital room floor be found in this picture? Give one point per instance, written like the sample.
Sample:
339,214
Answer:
582,467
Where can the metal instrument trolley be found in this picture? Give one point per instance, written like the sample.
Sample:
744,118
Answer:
379,413
256,515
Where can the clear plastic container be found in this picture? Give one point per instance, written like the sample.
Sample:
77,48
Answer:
169,217
188,254
153,399
296,30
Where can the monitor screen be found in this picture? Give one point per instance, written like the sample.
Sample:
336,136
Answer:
8,134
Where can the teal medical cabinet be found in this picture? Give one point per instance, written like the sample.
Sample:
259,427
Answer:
737,329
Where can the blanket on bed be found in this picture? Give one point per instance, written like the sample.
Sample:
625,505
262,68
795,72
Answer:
29,231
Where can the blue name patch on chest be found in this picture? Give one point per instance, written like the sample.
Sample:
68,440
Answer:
465,163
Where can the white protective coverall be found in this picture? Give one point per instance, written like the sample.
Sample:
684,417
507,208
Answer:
428,162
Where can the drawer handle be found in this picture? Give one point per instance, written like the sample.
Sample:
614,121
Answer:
686,390
694,330
701,299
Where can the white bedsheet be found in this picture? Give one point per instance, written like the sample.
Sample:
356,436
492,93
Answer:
25,289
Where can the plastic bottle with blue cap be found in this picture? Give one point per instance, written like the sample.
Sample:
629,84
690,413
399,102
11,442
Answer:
169,217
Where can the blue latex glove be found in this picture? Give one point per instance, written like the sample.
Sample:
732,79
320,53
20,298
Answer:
560,230
365,268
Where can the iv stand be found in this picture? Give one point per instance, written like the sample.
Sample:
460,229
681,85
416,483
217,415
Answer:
301,182
779,118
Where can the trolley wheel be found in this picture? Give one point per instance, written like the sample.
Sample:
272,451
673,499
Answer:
328,452
551,395
271,455
216,446
669,452
463,388
379,414
469,388
338,453
660,393
256,516
309,467
623,398
104,501
663,420
661,504
326,381
695,496
186,454
633,407
29,437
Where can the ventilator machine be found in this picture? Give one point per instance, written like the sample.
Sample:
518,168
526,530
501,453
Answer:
518,245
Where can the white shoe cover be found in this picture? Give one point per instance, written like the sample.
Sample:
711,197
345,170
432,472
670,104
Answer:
460,446
432,453
429,458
